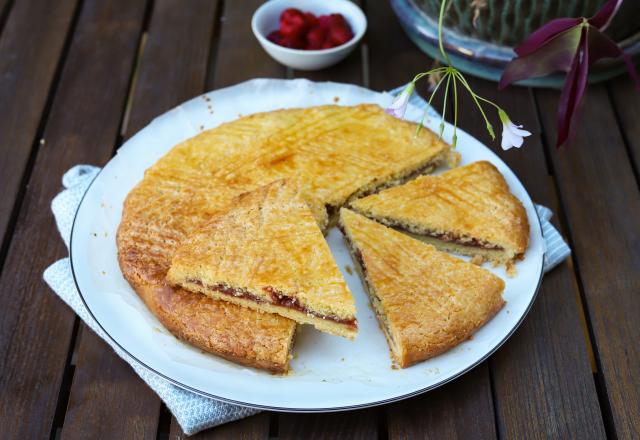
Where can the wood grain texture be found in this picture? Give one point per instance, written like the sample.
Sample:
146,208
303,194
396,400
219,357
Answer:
239,55
394,60
542,380
172,69
356,425
252,428
600,197
36,328
457,410
31,46
174,61
626,103
105,400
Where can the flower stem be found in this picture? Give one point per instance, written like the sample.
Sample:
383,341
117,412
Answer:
444,104
440,26
435,89
455,112
475,99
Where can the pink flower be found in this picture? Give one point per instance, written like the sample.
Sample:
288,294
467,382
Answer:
570,45
512,134
399,105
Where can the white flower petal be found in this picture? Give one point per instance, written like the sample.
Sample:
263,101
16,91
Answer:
517,130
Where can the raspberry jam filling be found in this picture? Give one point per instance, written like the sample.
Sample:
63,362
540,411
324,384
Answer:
277,298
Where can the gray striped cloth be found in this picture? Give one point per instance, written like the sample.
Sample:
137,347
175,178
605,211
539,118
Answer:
556,249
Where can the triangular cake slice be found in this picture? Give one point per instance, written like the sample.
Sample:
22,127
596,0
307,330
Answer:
468,210
266,252
426,301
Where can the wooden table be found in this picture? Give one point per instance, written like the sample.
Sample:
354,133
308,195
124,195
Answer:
79,77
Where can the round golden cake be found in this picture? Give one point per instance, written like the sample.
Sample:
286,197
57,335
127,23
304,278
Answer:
333,153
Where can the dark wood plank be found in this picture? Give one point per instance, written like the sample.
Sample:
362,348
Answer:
175,58
239,55
36,328
252,428
31,46
394,60
107,399
600,197
175,33
456,410
544,369
361,424
626,102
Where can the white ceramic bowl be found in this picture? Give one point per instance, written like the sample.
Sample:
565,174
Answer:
267,19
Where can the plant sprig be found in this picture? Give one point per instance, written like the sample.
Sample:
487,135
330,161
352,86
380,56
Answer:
511,134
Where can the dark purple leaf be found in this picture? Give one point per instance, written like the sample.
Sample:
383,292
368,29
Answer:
573,90
603,17
545,33
556,54
601,46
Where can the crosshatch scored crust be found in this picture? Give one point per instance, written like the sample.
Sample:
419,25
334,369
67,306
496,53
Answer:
468,210
266,252
333,153
426,301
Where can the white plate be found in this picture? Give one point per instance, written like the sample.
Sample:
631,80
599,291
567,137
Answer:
329,373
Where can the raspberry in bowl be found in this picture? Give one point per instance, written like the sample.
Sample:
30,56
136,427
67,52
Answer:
308,34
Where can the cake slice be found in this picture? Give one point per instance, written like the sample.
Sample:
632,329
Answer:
266,252
468,210
426,301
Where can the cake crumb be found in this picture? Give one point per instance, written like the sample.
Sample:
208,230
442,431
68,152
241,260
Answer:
511,269
477,260
348,269
336,99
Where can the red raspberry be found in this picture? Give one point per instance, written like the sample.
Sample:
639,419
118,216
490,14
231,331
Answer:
310,20
275,37
293,42
324,21
327,45
292,23
315,38
337,20
339,35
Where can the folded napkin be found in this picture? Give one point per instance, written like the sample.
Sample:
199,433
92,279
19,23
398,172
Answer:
192,411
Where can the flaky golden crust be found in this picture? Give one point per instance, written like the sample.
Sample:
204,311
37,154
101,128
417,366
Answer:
332,152
263,341
268,245
471,202
427,301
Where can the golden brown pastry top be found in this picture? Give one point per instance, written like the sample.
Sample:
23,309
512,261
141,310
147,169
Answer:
472,201
266,240
332,151
432,301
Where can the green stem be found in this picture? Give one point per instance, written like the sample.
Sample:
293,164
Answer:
455,112
475,99
440,39
435,89
429,72
444,104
